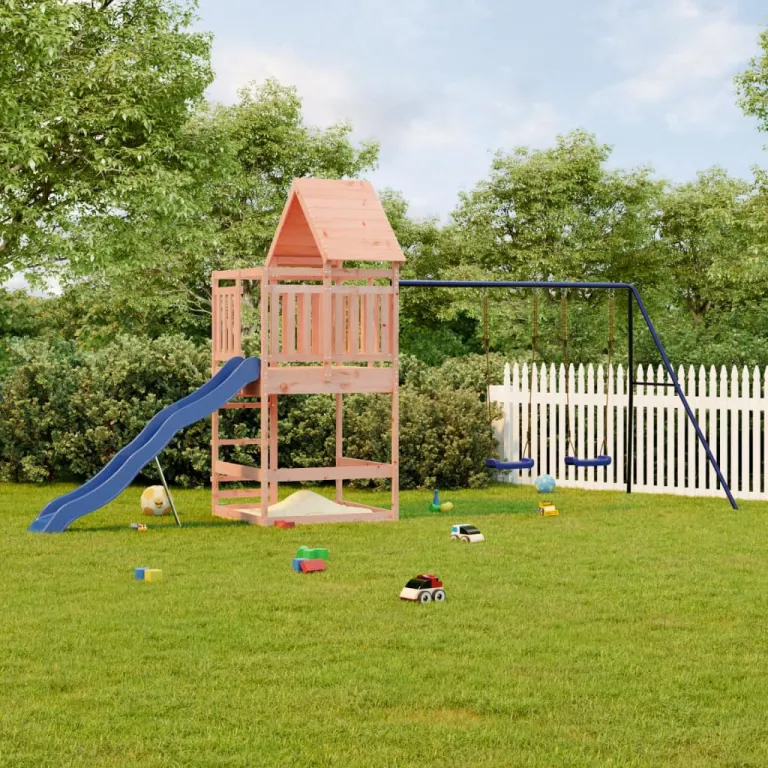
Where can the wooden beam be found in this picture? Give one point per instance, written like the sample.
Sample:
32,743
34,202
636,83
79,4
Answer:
327,380
318,474
237,471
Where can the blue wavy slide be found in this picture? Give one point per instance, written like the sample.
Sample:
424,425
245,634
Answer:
58,514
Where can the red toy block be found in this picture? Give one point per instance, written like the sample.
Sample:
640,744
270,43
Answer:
285,524
310,566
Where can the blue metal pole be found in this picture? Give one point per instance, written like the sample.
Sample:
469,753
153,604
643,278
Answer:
598,286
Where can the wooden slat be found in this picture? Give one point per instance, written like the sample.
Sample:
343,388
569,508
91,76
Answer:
326,322
386,325
311,380
362,290
356,505
339,325
354,324
346,461
369,318
335,209
239,440
237,471
316,320
241,493
303,334
227,512
296,289
296,273
364,357
228,406
274,323
237,325
318,474
361,274
236,274
289,324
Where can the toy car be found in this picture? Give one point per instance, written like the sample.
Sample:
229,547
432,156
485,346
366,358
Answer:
423,589
466,533
548,509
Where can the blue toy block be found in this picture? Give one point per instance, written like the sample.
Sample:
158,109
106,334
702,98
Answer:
296,563
138,574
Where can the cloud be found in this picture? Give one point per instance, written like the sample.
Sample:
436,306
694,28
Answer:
405,116
675,55
434,140
712,110
537,126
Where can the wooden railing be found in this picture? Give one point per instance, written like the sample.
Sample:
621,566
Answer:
360,329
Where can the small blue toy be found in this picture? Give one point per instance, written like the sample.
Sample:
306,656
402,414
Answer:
545,483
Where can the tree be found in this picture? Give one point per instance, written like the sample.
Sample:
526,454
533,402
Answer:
554,213
752,86
94,97
702,231
229,202
559,213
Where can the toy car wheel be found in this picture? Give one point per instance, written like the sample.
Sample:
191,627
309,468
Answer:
425,597
454,537
439,596
465,539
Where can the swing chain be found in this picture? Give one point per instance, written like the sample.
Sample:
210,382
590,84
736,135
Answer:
487,360
534,349
611,339
564,329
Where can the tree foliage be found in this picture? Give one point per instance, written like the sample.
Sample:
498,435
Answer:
94,99
247,155
560,213
752,85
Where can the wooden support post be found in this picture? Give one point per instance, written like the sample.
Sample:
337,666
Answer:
339,442
327,323
273,449
395,331
214,458
264,432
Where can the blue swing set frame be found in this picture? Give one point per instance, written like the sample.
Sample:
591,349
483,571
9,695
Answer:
633,297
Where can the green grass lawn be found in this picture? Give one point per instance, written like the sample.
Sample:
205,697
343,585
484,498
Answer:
627,631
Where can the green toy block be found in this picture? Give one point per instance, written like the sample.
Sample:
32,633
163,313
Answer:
318,553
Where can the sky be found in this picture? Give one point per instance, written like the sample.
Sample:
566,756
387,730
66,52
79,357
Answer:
442,84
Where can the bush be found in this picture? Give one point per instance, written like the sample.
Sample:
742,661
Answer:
444,435
66,413
35,409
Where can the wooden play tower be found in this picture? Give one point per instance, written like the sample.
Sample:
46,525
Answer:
327,324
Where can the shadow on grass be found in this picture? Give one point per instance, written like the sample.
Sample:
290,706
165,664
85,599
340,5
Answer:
190,524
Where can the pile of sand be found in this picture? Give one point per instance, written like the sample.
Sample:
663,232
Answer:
309,503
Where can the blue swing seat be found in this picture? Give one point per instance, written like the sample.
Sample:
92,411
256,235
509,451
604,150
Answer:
598,461
505,466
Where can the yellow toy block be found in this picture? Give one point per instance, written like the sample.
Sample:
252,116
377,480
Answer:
548,509
153,574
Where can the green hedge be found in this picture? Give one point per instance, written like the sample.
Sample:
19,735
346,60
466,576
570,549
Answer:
65,413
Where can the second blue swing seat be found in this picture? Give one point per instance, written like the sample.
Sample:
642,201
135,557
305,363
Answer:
505,466
598,461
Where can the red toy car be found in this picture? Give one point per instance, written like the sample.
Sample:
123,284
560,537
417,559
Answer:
424,589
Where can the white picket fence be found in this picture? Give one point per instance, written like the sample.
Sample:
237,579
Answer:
732,411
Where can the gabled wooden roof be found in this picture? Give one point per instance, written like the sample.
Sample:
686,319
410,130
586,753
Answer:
332,220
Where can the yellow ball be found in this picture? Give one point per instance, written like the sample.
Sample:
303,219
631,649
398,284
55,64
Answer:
154,501
447,507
